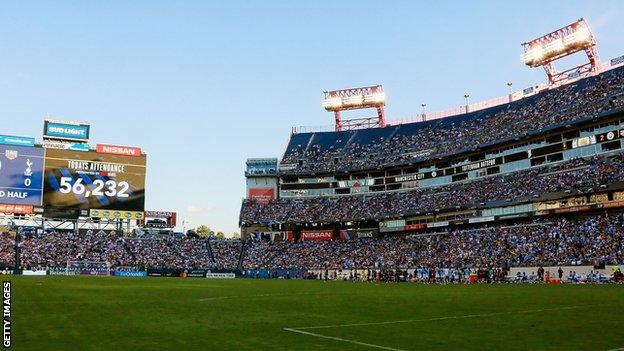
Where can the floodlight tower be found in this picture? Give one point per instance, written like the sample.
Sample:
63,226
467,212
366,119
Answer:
573,38
337,101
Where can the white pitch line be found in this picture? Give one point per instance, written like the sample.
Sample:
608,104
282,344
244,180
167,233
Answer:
343,340
302,331
620,349
444,318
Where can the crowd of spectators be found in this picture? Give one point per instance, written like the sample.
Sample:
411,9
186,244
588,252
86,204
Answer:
57,248
539,242
547,242
581,174
226,253
7,248
373,148
168,252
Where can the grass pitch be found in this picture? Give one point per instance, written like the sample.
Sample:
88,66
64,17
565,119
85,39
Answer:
98,313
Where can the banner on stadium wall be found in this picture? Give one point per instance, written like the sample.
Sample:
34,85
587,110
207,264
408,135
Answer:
344,235
417,226
118,150
130,273
261,195
171,217
112,214
438,224
481,219
394,225
348,234
458,222
65,131
273,236
159,214
17,209
479,165
21,175
355,183
317,235
616,61
17,140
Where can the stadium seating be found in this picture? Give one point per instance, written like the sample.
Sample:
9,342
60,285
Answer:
579,175
401,144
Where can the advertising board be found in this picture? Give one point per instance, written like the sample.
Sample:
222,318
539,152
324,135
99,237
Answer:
115,214
318,235
65,131
16,209
261,195
118,150
16,140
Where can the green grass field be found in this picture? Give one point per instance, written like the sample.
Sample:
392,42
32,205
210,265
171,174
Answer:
96,313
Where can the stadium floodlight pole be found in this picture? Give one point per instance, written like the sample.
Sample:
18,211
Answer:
509,84
424,114
565,41
466,96
337,101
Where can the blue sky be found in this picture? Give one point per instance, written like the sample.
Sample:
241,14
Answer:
201,86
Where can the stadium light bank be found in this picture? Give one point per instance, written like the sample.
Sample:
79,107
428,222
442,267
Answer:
565,41
337,101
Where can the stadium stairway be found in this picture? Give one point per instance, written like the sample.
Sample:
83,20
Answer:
125,246
241,255
209,247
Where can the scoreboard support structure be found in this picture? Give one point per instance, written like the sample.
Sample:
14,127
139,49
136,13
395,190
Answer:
37,222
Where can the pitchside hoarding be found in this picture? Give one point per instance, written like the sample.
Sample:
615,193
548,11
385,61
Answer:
21,171
91,180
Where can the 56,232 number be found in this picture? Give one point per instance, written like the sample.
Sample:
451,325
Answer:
108,188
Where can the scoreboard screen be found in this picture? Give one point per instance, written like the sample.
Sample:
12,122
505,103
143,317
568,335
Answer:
87,180
21,169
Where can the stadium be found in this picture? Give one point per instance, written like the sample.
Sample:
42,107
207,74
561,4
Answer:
495,224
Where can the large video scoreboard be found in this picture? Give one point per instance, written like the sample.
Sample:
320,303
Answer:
65,177
76,180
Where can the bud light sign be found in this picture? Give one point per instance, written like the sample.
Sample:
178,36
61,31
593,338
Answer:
65,131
